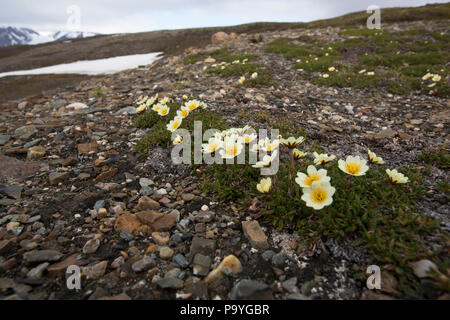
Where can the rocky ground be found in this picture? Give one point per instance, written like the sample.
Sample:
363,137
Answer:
73,190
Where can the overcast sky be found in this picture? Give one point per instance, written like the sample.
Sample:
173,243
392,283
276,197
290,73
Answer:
117,16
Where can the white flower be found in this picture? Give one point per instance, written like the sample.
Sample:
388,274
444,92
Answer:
374,158
247,138
141,108
362,71
232,147
427,76
178,139
299,154
164,100
242,80
319,195
292,142
371,73
185,97
322,158
396,177
152,100
174,124
157,107
192,104
254,75
331,69
202,105
264,185
204,68
266,162
436,78
183,112
164,110
325,76
213,145
143,100
306,180
354,166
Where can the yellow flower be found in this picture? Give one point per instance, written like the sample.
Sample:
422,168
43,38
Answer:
331,69
306,180
236,62
164,110
436,78
427,76
325,76
241,80
264,185
254,75
316,59
141,108
183,112
322,158
164,100
327,54
396,177
204,68
299,154
178,139
374,158
245,60
319,195
213,145
185,97
371,73
231,147
192,104
354,166
157,107
292,142
362,71
266,162
247,138
174,124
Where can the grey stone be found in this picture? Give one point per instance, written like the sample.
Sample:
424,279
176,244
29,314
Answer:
170,283
4,139
279,260
143,265
201,264
42,256
126,235
144,182
267,255
181,261
251,290
38,271
57,177
25,132
166,253
91,246
14,192
206,247
290,285
99,204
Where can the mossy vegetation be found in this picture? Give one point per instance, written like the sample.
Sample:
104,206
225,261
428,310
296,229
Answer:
221,55
398,59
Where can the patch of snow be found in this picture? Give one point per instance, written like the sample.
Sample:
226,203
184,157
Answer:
92,67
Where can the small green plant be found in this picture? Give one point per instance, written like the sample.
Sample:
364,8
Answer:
439,158
221,55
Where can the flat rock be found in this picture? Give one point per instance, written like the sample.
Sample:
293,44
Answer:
255,234
251,290
42,256
14,192
157,221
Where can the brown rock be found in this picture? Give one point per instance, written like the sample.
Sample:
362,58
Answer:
106,174
59,269
146,203
255,234
161,238
219,37
131,223
87,148
157,221
5,246
385,134
69,162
